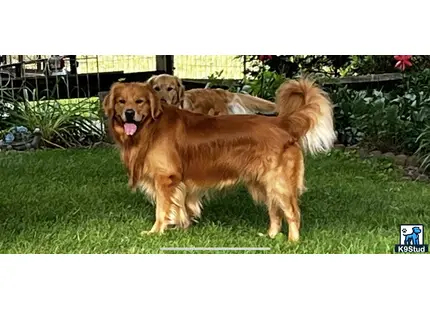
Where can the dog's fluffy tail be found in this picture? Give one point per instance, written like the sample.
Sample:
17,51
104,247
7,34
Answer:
255,104
306,112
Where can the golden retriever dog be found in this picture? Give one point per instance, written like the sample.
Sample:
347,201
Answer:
176,156
207,101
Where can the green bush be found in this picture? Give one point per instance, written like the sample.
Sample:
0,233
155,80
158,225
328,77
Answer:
63,123
264,85
387,121
348,105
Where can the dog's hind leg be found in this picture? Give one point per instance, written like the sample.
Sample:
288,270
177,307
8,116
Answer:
301,187
259,194
287,206
292,214
275,216
282,191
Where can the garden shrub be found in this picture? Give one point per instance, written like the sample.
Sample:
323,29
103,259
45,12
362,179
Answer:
263,84
386,121
63,123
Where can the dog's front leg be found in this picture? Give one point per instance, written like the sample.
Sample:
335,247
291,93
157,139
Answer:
166,197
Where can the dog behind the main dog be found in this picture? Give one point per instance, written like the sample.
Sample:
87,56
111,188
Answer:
171,90
176,155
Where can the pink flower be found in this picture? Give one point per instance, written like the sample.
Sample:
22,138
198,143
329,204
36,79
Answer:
264,57
403,61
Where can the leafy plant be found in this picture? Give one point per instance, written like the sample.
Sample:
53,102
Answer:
265,84
387,121
348,105
416,81
423,150
62,123
216,80
382,124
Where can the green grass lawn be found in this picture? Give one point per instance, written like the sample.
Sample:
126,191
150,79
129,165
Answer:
77,201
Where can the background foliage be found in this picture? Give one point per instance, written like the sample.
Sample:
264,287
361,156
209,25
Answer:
391,119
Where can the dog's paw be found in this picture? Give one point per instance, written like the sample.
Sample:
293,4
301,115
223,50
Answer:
155,230
151,233
273,232
146,233
271,235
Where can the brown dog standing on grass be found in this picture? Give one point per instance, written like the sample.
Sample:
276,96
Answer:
205,100
175,156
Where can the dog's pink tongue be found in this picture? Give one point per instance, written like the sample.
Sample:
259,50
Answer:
130,128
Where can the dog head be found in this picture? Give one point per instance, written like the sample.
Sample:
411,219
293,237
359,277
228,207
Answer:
130,104
169,89
416,230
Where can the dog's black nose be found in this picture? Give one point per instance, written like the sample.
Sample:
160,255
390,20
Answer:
129,115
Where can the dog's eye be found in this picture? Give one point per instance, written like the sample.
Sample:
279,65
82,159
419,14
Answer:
138,101
157,88
122,101
169,88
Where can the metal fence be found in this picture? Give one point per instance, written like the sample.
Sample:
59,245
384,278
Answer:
202,66
185,66
84,75
113,63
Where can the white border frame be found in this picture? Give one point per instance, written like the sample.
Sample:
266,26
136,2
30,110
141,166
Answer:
213,281
205,281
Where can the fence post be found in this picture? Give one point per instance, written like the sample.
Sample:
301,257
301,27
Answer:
244,66
73,65
164,63
19,69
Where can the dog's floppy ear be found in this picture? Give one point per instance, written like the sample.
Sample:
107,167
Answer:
109,100
107,104
151,80
181,91
155,104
